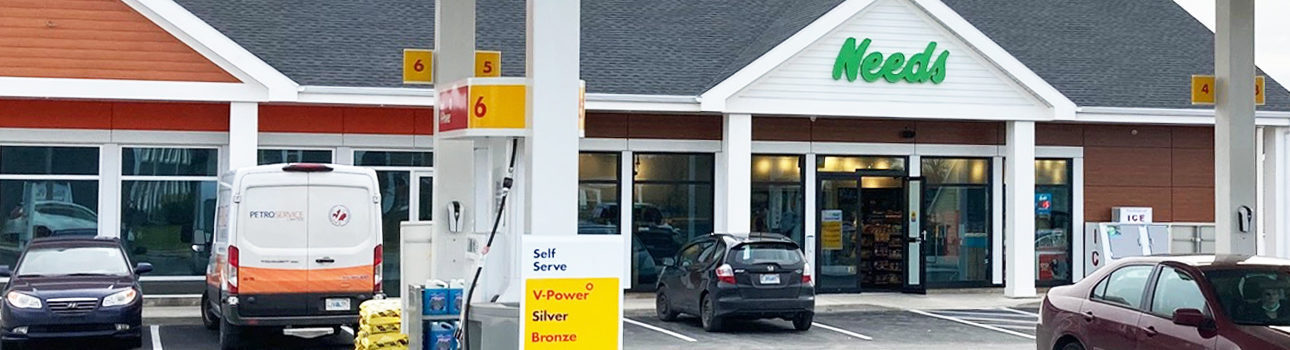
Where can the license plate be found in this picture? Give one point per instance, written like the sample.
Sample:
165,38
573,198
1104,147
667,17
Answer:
337,304
770,279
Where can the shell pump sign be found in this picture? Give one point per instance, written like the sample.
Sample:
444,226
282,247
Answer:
489,107
573,293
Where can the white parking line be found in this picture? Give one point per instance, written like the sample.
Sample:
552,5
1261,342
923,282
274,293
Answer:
1027,313
970,323
660,330
984,314
843,331
156,337
1000,320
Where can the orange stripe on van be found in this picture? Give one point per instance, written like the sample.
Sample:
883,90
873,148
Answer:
255,280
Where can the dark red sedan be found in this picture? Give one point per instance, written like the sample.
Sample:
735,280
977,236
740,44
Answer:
1172,302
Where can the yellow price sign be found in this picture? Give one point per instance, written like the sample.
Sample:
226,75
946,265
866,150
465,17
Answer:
418,66
1203,90
497,106
488,63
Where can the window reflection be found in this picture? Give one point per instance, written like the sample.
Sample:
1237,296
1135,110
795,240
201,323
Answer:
598,193
777,198
1053,221
956,206
672,203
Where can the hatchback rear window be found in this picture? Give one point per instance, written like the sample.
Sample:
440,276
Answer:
764,253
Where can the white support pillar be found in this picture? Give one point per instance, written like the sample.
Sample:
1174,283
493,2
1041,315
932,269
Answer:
736,147
552,116
1234,136
454,160
1019,201
243,134
1274,194
109,209
810,209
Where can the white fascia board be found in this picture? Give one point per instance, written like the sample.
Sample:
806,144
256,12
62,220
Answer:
1063,107
642,103
217,47
714,100
1129,115
891,110
130,89
416,97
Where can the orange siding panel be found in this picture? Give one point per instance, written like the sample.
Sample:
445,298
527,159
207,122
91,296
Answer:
397,121
94,39
423,119
306,119
170,116
55,114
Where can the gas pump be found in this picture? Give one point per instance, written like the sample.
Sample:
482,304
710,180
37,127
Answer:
1133,234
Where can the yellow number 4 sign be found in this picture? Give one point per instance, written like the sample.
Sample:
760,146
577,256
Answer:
418,66
1202,90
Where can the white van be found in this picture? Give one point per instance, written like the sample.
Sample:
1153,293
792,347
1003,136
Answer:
297,247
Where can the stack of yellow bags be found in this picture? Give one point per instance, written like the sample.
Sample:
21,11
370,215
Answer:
379,326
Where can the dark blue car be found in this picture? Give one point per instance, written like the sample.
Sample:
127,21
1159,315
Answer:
74,287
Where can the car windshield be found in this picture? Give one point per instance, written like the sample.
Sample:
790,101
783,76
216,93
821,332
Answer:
764,253
73,261
1253,295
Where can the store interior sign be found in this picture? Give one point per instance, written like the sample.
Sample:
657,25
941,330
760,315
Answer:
857,61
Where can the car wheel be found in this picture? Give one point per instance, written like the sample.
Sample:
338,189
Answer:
1073,345
708,315
230,336
663,307
803,321
12,345
208,318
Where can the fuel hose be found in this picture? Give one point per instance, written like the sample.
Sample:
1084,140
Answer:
463,329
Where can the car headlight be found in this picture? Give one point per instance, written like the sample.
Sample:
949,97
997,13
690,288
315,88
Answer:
120,298
23,301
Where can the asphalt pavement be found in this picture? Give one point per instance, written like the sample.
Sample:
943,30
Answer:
885,328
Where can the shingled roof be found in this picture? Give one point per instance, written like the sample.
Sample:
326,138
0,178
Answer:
1138,53
1098,53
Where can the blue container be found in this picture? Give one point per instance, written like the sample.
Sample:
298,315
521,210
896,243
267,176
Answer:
440,336
434,301
454,301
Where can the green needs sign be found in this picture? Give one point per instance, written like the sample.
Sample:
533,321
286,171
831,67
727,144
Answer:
853,61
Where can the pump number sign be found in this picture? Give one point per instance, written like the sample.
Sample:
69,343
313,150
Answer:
572,298
1202,90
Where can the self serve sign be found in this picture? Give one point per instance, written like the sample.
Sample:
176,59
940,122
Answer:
573,298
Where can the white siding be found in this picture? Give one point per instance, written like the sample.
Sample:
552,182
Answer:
973,87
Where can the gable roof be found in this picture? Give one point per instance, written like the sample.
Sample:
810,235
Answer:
652,47
1097,53
1107,53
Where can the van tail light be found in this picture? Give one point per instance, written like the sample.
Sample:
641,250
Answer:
808,275
377,260
231,274
307,168
725,274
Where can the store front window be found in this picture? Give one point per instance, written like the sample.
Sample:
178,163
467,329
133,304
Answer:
46,192
956,207
1053,200
598,212
167,206
395,171
777,196
276,156
672,203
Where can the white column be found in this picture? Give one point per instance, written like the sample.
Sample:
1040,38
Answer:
626,203
454,160
1079,251
1274,192
110,190
996,221
736,146
1234,145
810,209
552,116
1019,201
243,134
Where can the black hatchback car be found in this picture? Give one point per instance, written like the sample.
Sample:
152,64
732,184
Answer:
72,288
723,276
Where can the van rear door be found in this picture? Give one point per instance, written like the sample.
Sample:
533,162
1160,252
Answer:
342,239
271,243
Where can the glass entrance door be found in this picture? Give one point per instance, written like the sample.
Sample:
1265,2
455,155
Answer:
861,239
837,261
916,270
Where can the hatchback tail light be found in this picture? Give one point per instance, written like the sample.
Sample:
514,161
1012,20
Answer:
377,262
231,274
726,274
808,275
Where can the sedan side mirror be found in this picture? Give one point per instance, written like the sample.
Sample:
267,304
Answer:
1191,317
4,271
142,268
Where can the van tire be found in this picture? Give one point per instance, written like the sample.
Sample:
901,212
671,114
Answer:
208,318
230,336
